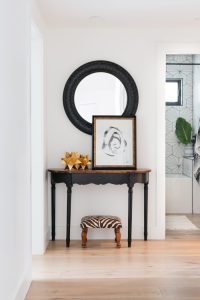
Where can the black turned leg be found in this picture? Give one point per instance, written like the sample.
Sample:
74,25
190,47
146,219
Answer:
145,211
130,194
69,193
53,211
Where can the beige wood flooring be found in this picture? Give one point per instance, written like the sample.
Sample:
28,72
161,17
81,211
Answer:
152,270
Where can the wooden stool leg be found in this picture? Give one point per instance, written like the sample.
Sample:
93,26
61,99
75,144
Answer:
84,237
118,237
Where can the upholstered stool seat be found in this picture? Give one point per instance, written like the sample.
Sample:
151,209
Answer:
101,222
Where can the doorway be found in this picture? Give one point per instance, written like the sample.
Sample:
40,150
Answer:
182,115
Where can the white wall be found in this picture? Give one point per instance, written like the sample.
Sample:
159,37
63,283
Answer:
15,203
38,147
142,53
65,52
38,132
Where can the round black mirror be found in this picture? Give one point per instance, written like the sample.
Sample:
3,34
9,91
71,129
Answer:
99,88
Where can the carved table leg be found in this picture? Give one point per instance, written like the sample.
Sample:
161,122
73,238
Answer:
84,237
118,237
130,194
53,210
145,211
69,193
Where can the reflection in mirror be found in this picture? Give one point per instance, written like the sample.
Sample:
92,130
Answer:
100,94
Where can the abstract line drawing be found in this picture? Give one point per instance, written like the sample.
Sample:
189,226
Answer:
113,142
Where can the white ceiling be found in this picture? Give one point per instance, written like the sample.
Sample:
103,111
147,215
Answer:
120,13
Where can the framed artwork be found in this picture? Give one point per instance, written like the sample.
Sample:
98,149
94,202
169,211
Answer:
114,142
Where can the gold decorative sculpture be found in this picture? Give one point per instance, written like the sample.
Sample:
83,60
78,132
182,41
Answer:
71,159
75,160
85,162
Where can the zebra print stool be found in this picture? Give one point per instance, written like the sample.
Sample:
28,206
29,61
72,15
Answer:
101,222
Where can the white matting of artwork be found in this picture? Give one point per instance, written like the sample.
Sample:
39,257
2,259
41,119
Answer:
177,222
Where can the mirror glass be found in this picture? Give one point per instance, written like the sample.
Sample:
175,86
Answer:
100,93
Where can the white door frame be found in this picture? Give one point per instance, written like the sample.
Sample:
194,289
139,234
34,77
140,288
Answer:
162,51
38,163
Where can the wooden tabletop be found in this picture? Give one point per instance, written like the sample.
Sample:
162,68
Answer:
90,171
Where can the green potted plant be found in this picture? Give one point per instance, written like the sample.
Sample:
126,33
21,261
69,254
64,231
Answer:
184,135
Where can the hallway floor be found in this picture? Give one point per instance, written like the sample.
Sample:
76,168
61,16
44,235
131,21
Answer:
165,270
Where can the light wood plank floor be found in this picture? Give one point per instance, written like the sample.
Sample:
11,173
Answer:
164,270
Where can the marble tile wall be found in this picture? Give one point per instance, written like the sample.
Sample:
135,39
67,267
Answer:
174,149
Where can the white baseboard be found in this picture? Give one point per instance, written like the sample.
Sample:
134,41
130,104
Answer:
48,233
154,233
24,284
41,247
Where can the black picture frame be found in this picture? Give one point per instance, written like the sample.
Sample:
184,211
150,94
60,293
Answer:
125,138
93,67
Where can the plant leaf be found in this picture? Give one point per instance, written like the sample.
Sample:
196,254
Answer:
183,131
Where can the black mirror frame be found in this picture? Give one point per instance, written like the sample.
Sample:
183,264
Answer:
94,67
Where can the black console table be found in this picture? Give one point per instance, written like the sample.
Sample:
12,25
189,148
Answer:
83,177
